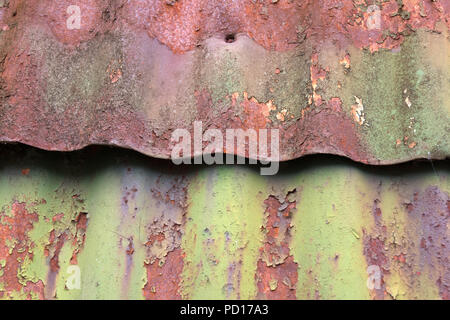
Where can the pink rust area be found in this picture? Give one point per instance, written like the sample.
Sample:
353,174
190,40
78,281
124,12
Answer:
374,26
282,24
60,96
182,25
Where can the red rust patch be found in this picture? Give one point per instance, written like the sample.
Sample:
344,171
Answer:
15,247
186,23
255,114
277,25
164,278
165,258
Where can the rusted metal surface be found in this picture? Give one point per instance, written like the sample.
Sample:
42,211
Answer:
141,228
317,70
129,226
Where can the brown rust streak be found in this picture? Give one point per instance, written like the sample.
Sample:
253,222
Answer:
54,245
80,236
57,239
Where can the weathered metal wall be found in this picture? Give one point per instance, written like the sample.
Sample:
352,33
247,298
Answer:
320,71
142,228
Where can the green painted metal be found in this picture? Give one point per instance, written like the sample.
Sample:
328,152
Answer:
214,217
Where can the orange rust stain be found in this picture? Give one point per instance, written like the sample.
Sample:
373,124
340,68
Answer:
115,74
412,145
15,247
255,114
400,258
155,238
164,277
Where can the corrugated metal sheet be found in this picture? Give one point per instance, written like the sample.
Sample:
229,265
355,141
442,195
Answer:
142,228
318,70
138,227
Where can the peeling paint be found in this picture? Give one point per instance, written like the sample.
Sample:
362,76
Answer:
142,228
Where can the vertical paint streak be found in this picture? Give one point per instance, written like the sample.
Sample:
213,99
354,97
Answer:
276,274
223,234
326,241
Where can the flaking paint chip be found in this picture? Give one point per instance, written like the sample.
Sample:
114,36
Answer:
273,284
408,102
357,111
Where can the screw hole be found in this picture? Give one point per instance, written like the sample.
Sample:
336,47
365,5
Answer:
230,38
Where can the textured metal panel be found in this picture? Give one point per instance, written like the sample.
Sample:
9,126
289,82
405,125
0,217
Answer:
318,70
141,228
